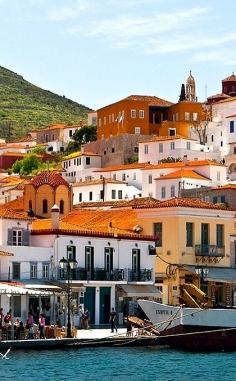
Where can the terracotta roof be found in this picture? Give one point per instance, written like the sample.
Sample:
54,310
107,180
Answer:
185,203
232,77
151,100
164,138
121,167
181,164
227,186
58,126
16,154
52,178
14,210
220,95
25,138
116,204
182,173
97,181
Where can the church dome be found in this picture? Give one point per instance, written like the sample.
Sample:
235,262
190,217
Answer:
51,178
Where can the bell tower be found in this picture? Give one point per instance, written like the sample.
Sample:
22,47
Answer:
191,89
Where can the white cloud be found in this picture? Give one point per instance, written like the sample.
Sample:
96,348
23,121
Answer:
72,12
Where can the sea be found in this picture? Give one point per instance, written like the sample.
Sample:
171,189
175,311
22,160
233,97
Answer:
103,364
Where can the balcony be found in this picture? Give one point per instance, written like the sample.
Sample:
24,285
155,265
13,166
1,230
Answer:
100,274
209,251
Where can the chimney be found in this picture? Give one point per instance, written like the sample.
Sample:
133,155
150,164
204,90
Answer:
185,159
55,215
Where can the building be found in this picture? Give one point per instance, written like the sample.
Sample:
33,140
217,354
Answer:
192,234
135,114
92,118
79,166
57,136
228,90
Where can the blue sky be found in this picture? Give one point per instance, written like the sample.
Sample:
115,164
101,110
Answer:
98,51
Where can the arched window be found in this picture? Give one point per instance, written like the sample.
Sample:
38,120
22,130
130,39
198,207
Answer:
30,205
61,207
45,206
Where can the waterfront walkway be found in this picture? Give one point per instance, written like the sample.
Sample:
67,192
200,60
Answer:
97,333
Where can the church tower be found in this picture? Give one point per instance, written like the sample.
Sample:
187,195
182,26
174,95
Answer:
191,89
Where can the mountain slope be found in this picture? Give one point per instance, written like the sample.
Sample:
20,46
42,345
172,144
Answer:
24,106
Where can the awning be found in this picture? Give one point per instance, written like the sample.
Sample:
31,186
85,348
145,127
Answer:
140,290
217,274
45,287
7,289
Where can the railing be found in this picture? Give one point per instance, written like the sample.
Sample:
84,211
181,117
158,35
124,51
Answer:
209,250
100,274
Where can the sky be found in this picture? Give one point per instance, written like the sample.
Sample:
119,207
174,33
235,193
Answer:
99,51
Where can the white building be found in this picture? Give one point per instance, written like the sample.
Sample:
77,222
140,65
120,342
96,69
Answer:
157,148
79,166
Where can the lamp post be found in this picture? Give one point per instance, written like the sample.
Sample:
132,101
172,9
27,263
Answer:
68,265
202,272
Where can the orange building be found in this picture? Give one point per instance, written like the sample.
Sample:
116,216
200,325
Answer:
136,114
44,191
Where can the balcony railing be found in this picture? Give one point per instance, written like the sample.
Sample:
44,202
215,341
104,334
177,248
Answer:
100,274
209,250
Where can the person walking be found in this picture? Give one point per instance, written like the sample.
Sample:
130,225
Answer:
112,320
42,326
86,319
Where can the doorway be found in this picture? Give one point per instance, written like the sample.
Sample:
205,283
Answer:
105,304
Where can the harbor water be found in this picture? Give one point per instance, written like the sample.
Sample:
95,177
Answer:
117,364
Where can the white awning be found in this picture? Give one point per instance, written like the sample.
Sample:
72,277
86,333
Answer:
7,289
140,290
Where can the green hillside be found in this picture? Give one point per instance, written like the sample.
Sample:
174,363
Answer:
24,107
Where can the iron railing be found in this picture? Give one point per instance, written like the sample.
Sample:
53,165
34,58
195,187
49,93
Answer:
209,250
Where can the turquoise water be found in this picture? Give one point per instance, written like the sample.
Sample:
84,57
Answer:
117,364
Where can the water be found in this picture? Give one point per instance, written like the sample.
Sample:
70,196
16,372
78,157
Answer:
104,364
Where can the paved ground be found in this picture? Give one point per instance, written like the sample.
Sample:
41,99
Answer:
98,333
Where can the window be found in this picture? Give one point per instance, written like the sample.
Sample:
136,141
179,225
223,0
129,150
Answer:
186,116
45,206
70,133
133,114
33,271
105,120
15,270
71,252
141,114
109,119
149,179
221,143
215,200
89,258
189,234
134,176
145,148
220,235
123,177
101,194
172,146
113,194
114,176
113,118
74,161
222,199
195,115
135,149
212,138
172,191
108,259
160,147
45,270
234,150
17,237
80,197
113,149
157,227
61,207
218,175
136,263
30,205
188,146
120,194
163,192
87,160
172,131
90,196
137,130
99,122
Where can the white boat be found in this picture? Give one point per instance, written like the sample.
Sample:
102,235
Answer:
183,319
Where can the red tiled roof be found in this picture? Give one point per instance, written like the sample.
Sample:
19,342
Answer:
232,77
186,173
14,210
52,178
121,167
181,164
219,95
151,100
184,203
117,204
164,138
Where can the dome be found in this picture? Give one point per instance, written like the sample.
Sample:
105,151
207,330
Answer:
232,77
51,178
190,79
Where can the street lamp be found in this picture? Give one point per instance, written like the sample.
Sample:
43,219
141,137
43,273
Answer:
202,272
68,265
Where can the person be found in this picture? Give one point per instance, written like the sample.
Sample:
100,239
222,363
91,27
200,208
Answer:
129,327
7,318
47,314
1,317
80,313
42,326
86,319
112,320
30,320
19,329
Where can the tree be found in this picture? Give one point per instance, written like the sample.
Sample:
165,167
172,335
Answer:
171,159
81,136
182,96
39,150
199,128
27,165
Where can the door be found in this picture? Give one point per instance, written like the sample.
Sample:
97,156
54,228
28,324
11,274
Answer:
89,261
108,261
205,238
135,264
89,302
105,304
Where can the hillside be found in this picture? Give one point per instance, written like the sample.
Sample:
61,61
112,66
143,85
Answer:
24,107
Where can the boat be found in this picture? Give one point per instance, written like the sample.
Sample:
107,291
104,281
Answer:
179,319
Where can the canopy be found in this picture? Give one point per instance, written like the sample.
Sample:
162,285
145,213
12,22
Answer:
217,274
140,290
6,288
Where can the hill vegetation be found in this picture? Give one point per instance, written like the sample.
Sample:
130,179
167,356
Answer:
24,106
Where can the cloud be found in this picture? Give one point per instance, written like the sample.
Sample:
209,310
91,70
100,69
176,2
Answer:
72,12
